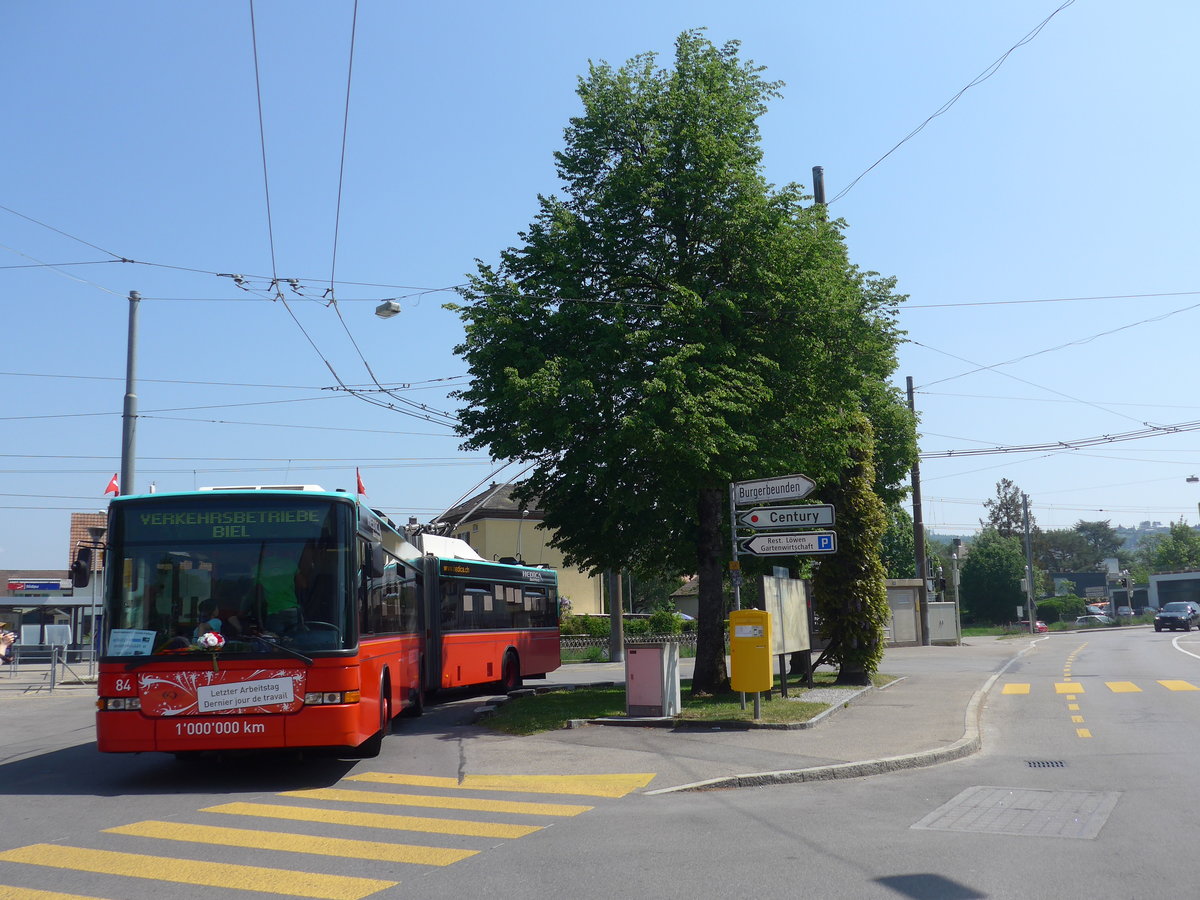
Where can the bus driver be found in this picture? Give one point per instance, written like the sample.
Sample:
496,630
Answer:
277,573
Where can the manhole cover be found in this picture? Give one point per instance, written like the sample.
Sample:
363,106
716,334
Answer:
998,810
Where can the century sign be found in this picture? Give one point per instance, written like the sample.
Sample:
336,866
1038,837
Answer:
801,543
767,517
764,490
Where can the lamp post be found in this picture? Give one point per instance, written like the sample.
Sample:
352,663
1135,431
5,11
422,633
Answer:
954,578
96,535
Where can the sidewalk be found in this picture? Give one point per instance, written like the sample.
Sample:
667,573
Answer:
37,678
930,715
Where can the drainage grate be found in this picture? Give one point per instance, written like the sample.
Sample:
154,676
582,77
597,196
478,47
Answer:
1046,763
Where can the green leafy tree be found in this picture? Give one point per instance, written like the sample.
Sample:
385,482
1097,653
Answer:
897,548
1063,550
1104,540
1176,551
674,323
1005,510
991,578
849,594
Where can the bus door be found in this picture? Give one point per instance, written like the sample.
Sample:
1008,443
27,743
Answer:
430,619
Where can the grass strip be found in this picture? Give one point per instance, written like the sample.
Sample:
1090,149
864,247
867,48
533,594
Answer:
553,710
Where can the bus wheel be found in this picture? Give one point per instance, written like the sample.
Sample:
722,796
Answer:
416,706
370,748
510,672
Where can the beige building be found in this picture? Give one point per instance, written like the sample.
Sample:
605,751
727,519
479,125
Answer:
498,529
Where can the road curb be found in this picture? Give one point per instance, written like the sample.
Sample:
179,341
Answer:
970,742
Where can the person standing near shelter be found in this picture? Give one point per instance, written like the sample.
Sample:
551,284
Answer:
7,639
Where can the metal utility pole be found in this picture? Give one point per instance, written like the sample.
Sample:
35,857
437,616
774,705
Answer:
129,416
819,185
919,533
1029,591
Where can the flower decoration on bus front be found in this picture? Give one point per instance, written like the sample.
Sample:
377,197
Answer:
212,641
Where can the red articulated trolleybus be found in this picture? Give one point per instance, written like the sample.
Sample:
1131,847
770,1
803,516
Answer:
293,617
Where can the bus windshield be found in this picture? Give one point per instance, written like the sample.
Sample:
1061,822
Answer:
265,573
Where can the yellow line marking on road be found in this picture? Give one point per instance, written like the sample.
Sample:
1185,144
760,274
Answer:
1172,685
1083,733
469,803
375,820
1078,720
16,893
583,785
196,872
1074,707
294,843
1068,687
1015,689
1123,687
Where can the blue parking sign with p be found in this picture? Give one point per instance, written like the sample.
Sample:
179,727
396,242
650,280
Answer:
824,542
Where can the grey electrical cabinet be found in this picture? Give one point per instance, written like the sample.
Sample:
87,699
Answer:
652,679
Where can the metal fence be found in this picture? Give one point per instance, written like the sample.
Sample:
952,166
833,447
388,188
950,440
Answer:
45,666
578,643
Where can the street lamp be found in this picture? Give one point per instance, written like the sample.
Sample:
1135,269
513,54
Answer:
954,578
387,309
96,534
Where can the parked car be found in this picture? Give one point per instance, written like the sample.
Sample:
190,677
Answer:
1094,610
1177,614
1124,611
1088,621
1039,626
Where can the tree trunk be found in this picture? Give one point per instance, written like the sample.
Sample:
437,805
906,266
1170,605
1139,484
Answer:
711,675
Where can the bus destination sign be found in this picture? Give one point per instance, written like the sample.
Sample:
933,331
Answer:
209,522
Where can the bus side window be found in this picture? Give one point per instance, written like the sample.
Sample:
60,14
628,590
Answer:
450,606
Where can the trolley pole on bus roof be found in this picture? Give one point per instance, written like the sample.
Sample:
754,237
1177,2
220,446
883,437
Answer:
129,416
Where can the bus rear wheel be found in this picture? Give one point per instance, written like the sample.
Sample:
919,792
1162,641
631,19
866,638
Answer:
510,672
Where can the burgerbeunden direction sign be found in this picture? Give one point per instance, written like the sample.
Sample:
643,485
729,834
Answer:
764,490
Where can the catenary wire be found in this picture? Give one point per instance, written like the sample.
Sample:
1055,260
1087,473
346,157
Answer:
945,107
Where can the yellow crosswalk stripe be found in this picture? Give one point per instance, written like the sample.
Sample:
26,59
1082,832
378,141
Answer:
1015,689
15,893
1078,720
1123,687
469,803
375,820
581,785
195,872
1068,687
1083,733
294,843
1171,685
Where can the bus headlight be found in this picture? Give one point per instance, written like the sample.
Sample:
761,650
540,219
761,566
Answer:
324,698
118,703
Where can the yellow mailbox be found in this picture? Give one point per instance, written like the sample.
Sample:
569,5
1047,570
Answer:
750,650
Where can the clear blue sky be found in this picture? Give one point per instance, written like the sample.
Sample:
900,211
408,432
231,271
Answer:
134,127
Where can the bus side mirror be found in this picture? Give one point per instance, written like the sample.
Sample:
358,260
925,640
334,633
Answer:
81,569
378,561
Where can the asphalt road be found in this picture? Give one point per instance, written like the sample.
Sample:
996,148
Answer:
1085,786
